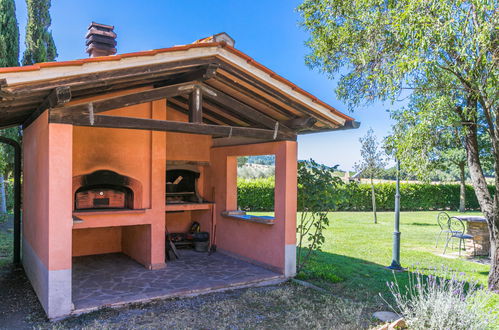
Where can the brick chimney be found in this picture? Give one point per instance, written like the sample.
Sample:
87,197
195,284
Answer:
101,40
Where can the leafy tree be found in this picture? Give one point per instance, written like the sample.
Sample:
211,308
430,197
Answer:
443,145
372,164
386,49
9,56
317,196
40,46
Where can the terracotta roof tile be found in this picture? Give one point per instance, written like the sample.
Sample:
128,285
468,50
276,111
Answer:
197,44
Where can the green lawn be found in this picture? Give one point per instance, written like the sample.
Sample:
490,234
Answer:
356,251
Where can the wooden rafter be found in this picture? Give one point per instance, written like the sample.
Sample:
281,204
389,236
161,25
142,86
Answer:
251,98
196,105
206,118
170,126
242,109
181,105
124,100
113,76
57,97
273,92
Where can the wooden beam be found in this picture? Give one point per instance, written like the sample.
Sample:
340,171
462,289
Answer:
4,94
168,126
124,100
201,74
57,97
301,123
243,110
262,87
196,105
107,77
181,109
208,116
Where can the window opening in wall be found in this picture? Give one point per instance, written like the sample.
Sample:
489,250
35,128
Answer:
256,184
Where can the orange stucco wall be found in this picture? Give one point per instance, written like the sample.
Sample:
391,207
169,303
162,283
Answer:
96,241
46,199
137,154
186,147
57,149
259,242
189,148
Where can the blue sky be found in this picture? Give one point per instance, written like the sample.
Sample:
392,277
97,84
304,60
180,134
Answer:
268,31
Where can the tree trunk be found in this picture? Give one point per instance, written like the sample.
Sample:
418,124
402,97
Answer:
3,197
493,281
374,201
462,190
488,204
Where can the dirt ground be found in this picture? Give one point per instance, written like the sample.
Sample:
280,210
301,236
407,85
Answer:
285,306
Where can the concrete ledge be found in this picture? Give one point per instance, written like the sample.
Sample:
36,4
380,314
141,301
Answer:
187,294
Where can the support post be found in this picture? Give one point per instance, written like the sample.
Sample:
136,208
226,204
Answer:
196,105
17,197
396,232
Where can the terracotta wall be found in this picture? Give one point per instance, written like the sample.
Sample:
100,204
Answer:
90,241
47,208
137,154
46,198
189,148
127,152
270,245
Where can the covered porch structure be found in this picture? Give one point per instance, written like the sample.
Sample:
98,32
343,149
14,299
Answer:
104,138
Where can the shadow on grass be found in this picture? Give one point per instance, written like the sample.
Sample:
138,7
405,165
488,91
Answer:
422,224
359,279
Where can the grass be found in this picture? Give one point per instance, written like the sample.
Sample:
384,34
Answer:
356,251
351,266
6,238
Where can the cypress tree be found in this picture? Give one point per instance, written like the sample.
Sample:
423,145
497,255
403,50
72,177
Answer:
9,34
40,46
9,56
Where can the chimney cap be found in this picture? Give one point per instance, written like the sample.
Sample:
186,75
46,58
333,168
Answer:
222,36
100,40
102,26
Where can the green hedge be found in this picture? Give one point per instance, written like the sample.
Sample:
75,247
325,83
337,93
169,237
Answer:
258,195
255,194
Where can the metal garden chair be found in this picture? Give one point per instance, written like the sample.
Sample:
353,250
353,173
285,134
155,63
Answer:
443,222
456,230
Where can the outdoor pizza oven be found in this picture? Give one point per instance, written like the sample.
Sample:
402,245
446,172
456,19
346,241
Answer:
105,189
181,185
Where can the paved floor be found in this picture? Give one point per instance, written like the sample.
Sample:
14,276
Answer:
107,279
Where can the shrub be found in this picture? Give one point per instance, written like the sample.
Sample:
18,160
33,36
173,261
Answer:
317,195
257,195
448,302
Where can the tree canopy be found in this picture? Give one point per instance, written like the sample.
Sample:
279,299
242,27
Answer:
9,34
40,46
441,54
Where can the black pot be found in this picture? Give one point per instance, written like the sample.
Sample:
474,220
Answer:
200,237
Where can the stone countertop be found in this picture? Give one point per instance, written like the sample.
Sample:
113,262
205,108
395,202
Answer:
471,218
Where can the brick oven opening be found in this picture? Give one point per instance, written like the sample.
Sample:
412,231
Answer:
105,189
181,186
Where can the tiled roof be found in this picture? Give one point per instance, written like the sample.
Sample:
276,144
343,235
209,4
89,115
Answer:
205,42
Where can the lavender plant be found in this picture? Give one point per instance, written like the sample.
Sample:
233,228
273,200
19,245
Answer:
446,302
